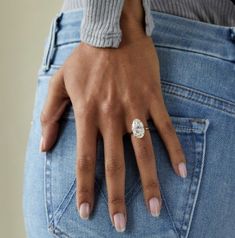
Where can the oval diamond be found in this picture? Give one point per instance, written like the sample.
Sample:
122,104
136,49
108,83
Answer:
138,128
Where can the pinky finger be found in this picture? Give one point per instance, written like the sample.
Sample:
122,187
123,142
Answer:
165,127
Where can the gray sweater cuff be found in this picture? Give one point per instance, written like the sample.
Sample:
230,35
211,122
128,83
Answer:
100,25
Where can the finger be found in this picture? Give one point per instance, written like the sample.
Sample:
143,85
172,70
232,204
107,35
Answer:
146,162
163,123
54,106
86,160
115,174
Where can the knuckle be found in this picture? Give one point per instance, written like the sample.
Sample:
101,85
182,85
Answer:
151,186
85,163
130,99
111,109
154,92
167,127
114,201
179,150
83,193
178,156
144,154
83,111
44,119
113,167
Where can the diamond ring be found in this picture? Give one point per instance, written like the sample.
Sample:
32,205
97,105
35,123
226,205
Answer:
138,128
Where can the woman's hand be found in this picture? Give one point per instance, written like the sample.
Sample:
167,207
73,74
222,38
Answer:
109,88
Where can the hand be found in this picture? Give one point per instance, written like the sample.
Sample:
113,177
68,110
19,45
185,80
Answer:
108,88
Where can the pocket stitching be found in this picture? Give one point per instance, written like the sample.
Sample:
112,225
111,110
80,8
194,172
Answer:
47,189
168,210
201,161
65,202
192,95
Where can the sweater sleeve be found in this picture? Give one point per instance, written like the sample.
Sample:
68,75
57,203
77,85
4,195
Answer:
100,25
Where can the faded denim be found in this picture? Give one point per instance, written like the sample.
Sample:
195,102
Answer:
198,82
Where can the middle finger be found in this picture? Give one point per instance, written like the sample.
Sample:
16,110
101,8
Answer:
115,174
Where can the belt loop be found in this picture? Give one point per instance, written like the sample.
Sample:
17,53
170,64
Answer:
50,48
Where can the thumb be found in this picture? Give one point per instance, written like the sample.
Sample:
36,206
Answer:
55,104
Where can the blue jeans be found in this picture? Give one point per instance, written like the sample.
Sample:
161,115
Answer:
198,83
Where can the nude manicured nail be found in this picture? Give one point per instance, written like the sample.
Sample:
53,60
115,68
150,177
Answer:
119,222
84,210
154,206
182,170
41,144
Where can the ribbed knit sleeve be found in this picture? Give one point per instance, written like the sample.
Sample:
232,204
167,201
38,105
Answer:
100,25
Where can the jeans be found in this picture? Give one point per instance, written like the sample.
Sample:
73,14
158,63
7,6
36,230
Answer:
198,83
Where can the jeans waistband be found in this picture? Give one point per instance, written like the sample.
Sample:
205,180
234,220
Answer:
169,31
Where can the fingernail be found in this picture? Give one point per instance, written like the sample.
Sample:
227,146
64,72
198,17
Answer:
119,222
154,206
182,170
41,144
84,210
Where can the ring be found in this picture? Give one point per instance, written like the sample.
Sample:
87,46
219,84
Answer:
138,128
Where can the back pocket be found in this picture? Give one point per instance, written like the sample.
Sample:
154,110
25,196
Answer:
179,195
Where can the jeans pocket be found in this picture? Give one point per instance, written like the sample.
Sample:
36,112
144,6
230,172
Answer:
179,195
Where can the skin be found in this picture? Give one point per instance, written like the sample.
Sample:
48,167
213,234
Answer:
108,88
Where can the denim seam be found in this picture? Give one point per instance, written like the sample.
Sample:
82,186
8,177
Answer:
59,233
196,181
66,201
47,190
200,176
72,42
134,191
103,195
191,194
64,205
168,210
227,107
203,94
190,99
159,45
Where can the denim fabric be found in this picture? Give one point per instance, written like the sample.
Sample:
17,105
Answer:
198,82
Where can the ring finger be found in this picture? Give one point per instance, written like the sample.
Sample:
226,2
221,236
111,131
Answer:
146,162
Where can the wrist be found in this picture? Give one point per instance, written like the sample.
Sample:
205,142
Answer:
132,22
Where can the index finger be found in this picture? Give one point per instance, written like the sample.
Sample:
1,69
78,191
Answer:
54,106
